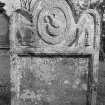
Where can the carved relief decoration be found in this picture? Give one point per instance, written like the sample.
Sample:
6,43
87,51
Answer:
54,21
55,24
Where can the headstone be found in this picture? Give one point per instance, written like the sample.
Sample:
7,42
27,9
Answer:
54,58
4,57
4,27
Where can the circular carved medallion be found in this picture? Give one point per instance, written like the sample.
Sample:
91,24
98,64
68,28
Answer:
53,21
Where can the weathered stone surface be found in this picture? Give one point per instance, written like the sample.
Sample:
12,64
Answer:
4,67
54,58
52,80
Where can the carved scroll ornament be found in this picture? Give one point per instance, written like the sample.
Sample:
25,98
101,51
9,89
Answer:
56,22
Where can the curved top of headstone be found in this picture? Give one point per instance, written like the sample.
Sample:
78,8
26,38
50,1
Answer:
1,7
56,28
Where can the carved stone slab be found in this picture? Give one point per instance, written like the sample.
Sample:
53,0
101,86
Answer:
54,57
53,80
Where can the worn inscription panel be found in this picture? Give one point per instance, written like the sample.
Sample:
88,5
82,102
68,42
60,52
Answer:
53,81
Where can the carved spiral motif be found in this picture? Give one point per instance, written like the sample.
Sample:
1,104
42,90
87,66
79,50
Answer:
53,19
